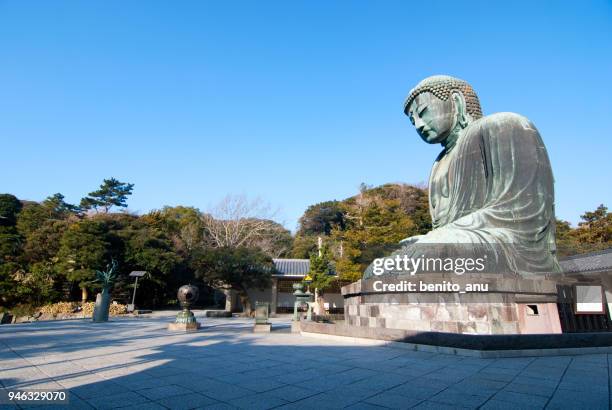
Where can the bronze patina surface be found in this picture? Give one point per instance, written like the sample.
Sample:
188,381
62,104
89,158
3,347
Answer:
490,187
185,320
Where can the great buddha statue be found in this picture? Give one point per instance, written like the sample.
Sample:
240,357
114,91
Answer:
491,186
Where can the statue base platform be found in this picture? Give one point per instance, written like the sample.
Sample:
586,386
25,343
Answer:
295,326
510,305
184,327
262,328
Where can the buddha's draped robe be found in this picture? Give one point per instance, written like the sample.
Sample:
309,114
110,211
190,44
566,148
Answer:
493,189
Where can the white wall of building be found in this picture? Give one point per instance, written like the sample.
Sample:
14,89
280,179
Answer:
335,300
257,295
285,299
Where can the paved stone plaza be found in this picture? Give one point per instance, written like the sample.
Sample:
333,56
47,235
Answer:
136,363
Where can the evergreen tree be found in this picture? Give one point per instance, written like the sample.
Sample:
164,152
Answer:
593,233
238,269
321,218
10,247
321,270
84,248
148,246
10,206
111,193
364,227
596,227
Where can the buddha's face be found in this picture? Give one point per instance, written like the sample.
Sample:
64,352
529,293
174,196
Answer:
432,117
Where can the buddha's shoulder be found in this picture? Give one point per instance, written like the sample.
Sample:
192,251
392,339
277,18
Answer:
502,120
502,123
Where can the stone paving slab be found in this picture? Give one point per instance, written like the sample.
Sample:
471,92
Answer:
137,364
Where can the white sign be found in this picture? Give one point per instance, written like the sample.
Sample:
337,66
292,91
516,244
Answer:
589,299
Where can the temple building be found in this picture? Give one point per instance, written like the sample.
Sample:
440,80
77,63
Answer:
280,294
593,273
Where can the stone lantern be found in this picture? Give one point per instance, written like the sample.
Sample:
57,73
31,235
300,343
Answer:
301,298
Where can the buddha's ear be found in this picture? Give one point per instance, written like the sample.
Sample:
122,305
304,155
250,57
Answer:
459,101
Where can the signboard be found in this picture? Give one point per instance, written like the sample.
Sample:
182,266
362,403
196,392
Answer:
261,312
138,273
589,300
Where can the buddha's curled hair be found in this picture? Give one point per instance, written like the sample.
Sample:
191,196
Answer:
442,86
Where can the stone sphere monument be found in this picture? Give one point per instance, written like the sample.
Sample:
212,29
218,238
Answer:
491,199
187,295
185,320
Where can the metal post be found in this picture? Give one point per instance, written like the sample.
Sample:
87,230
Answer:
134,294
296,316
274,297
136,274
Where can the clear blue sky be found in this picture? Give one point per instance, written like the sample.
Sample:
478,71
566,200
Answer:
294,102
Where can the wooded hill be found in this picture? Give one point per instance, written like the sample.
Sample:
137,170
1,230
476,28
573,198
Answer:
363,227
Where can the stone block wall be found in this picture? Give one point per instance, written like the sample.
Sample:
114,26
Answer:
490,318
503,310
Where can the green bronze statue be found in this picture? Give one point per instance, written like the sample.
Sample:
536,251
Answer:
107,279
492,184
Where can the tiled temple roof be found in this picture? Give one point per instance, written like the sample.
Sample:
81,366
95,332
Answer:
292,267
588,262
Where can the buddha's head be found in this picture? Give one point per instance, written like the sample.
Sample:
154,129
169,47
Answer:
439,105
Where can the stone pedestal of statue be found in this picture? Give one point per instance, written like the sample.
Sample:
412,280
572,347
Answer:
262,328
511,305
295,326
184,327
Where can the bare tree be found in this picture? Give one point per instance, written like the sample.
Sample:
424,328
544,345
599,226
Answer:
237,222
240,225
275,241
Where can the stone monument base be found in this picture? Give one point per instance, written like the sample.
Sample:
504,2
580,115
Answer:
184,327
262,328
511,305
295,326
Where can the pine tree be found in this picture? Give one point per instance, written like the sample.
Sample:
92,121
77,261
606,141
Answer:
111,193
